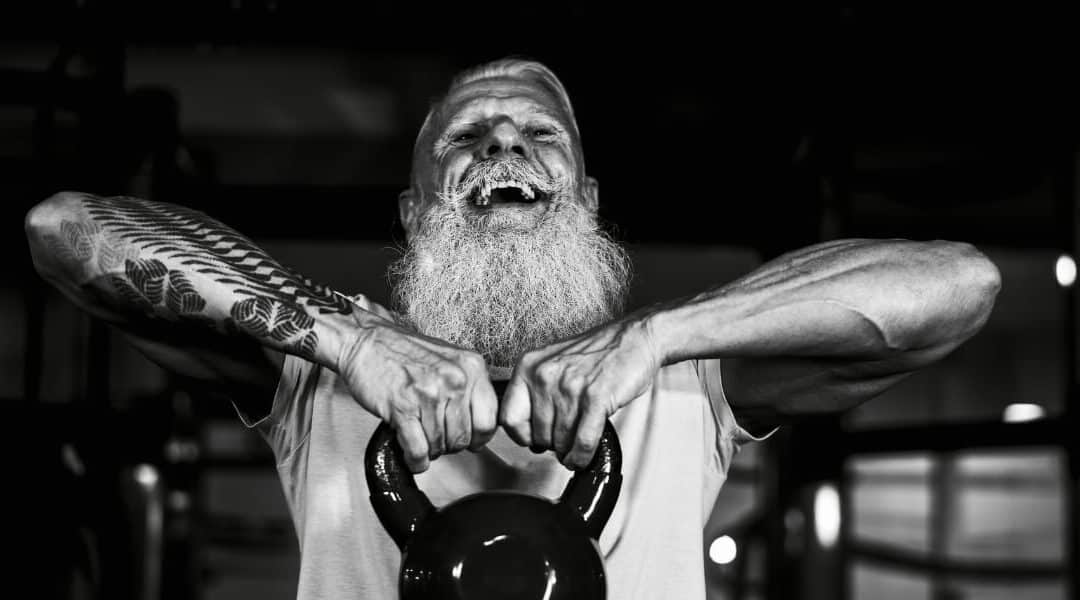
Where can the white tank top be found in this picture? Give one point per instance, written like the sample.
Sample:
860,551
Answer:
678,440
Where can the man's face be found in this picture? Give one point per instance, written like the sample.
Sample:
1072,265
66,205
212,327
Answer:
504,250
517,125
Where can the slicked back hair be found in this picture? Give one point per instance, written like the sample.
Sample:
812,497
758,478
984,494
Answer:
512,67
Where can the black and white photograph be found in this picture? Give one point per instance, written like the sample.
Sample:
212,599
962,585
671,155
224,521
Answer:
557,300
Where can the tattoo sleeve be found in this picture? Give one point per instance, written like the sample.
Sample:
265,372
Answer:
171,263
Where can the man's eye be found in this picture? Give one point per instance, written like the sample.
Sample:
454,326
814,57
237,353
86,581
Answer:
542,133
466,137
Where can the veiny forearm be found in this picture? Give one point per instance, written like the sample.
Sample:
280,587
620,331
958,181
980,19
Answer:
126,259
856,298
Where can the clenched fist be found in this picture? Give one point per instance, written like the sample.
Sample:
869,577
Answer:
560,396
437,397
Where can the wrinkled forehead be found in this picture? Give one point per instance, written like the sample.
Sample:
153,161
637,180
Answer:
496,96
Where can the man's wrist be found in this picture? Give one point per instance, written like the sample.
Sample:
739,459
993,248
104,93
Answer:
350,333
678,329
657,327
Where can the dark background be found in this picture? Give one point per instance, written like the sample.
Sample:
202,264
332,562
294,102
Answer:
702,124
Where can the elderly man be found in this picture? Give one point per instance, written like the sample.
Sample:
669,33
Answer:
507,275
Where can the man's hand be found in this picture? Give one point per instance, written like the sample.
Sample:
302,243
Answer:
560,396
436,396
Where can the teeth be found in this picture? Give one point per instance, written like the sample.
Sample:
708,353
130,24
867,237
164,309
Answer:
483,198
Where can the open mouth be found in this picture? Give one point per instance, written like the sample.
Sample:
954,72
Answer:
506,192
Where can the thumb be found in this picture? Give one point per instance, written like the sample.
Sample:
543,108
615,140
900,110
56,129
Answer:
515,411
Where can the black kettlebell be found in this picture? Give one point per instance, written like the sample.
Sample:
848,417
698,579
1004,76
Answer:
496,545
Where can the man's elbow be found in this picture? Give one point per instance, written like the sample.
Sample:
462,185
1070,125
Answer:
37,220
983,275
42,223
977,281
47,214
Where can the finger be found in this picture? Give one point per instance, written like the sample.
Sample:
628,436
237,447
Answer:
566,415
542,420
587,436
432,417
515,410
484,409
458,424
414,445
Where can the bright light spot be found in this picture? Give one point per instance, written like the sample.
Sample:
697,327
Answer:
827,515
722,550
146,476
551,581
456,571
70,458
1065,270
1020,412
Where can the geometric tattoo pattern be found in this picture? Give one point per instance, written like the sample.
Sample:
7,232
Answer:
197,240
266,319
272,301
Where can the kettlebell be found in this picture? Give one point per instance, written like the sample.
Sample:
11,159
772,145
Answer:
496,545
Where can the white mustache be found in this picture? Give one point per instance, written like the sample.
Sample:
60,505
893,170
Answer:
489,173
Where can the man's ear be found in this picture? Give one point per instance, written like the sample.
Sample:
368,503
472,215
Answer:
591,193
409,209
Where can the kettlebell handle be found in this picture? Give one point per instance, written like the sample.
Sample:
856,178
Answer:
401,506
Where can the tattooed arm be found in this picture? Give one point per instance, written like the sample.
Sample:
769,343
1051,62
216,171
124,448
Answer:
205,302
193,294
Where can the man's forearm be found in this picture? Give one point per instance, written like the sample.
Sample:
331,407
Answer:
849,298
126,259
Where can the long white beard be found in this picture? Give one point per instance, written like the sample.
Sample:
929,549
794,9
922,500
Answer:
502,288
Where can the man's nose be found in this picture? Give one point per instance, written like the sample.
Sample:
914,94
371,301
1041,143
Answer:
504,140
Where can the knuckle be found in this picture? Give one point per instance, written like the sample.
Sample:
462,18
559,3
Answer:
453,376
547,372
475,362
426,387
573,382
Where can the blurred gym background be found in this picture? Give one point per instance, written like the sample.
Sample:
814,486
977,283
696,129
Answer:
720,141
